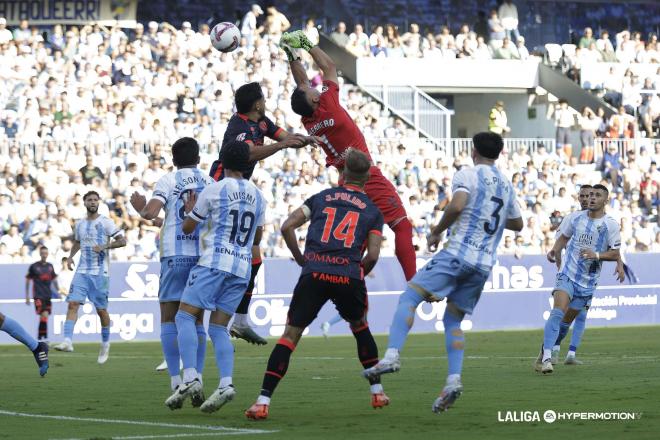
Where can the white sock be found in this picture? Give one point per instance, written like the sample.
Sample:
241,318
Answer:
240,319
453,379
376,388
189,374
570,353
225,382
556,348
263,400
175,381
391,353
547,354
68,341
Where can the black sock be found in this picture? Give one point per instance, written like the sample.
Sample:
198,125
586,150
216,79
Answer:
245,301
278,363
43,328
367,349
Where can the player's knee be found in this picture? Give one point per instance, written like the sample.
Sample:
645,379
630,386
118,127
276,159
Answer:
458,345
292,334
358,325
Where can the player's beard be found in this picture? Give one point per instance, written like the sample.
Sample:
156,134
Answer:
92,210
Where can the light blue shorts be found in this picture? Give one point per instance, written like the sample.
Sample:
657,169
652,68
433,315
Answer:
174,273
447,276
580,296
92,287
213,289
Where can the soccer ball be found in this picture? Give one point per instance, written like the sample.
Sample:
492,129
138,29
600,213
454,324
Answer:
225,36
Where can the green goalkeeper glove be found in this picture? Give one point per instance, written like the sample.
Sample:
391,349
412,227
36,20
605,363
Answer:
291,53
297,40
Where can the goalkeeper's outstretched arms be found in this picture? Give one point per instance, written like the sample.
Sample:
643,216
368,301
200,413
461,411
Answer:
291,41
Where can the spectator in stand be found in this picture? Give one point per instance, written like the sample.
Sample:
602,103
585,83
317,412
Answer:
90,171
339,35
622,125
5,34
506,52
377,41
649,109
496,30
564,121
249,29
412,42
631,97
508,14
462,35
498,122
22,33
276,23
523,53
587,38
311,31
611,165
589,123
358,42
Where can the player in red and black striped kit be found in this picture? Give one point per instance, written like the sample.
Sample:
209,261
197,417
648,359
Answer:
324,117
344,221
42,275
249,124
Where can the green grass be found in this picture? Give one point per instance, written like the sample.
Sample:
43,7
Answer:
324,397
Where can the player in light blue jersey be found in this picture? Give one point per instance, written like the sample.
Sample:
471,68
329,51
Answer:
579,317
592,237
179,252
234,210
94,236
38,349
482,206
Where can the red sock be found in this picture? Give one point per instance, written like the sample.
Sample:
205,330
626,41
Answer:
405,252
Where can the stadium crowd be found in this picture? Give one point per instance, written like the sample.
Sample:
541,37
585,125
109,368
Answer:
92,107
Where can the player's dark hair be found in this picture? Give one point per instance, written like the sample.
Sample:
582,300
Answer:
246,96
356,167
488,144
185,152
235,156
91,193
585,186
601,187
299,103
42,247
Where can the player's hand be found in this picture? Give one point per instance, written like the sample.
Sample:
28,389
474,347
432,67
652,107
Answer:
189,202
158,222
297,40
69,263
433,241
294,141
313,140
98,248
138,201
619,272
291,52
555,257
588,254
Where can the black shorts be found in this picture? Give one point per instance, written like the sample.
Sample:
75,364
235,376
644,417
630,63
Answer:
315,289
42,305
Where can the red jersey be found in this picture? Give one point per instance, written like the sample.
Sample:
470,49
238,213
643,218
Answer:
335,126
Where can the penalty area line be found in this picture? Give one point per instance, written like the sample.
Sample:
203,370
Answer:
218,429
146,437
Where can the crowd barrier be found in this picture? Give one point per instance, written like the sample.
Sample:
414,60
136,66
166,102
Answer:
517,296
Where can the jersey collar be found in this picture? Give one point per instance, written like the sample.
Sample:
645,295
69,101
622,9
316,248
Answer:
353,188
242,116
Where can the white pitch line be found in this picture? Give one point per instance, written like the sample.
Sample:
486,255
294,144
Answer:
140,437
137,422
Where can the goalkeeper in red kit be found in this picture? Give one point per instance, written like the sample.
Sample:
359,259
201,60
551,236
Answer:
324,117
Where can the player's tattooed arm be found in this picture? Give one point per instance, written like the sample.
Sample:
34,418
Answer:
609,255
373,252
147,211
288,229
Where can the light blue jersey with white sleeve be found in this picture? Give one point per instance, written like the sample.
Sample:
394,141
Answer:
91,233
232,209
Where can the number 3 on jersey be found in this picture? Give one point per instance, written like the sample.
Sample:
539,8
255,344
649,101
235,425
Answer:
345,230
492,226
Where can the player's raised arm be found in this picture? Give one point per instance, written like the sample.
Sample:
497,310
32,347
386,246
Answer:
147,210
297,218
298,40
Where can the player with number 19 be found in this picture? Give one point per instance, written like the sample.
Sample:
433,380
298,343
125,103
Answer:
233,210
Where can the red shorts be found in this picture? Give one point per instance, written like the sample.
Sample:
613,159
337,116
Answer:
384,195
42,305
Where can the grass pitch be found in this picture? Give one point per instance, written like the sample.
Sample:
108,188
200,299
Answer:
324,397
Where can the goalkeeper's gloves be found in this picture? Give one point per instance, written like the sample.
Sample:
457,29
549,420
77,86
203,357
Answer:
297,40
291,53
